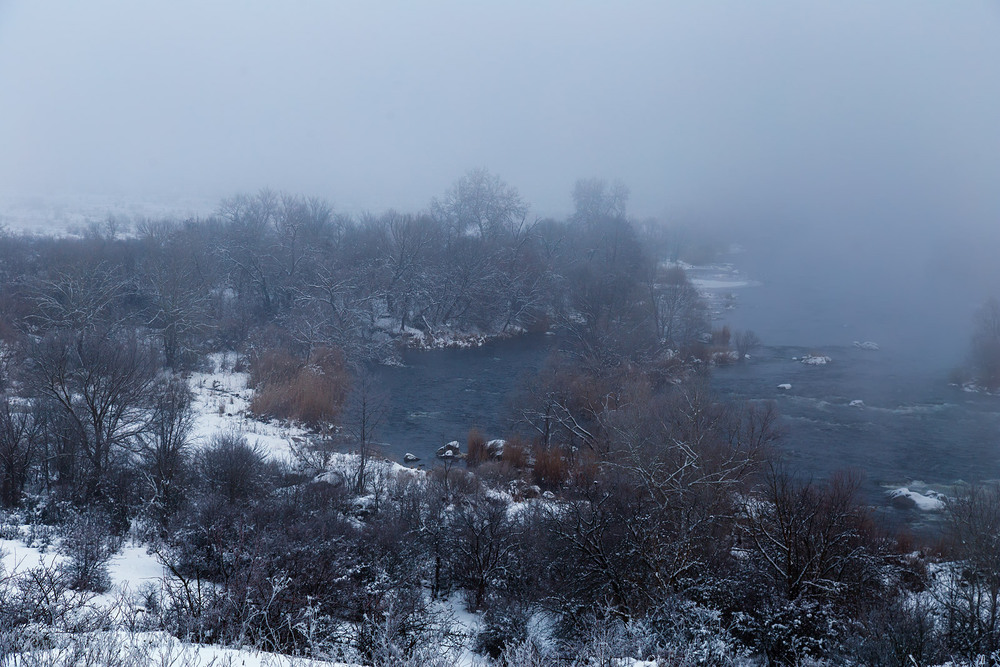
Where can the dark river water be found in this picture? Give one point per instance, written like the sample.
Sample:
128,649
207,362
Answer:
915,425
914,429
439,395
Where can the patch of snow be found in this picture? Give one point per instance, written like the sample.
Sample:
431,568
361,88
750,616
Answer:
710,284
449,338
866,345
726,356
70,215
495,448
18,557
222,402
160,648
973,388
679,264
786,386
857,403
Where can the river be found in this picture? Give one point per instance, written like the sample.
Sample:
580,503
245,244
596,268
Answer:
436,396
911,428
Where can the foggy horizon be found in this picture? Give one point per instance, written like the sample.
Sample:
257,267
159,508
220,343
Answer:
721,113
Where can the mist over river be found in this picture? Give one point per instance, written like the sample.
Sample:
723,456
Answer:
911,428
819,296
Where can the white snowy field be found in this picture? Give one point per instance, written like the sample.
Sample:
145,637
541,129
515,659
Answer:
221,405
62,215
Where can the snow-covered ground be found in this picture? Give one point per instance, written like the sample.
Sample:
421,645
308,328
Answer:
123,649
221,405
61,215
129,569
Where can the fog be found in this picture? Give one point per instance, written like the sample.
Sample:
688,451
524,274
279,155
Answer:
703,109
865,129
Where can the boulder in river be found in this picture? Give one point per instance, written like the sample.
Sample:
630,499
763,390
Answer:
450,450
494,448
818,360
410,458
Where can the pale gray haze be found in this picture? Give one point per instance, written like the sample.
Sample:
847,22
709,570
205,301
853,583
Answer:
703,109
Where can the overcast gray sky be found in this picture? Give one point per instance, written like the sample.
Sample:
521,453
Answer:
705,109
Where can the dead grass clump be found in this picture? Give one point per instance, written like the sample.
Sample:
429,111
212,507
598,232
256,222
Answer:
476,452
273,367
309,391
551,470
515,452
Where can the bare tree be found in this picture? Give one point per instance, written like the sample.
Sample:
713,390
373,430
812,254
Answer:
178,297
659,509
595,198
100,382
970,584
164,445
80,299
20,448
483,545
986,345
679,312
481,202
367,405
813,540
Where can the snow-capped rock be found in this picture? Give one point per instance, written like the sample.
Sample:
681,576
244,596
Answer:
905,498
495,448
818,360
449,450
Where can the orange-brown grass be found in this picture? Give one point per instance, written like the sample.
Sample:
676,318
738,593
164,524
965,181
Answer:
311,391
476,452
551,470
515,452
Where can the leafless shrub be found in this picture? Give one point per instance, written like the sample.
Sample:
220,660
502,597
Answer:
497,474
477,452
746,341
550,470
89,543
969,590
234,468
